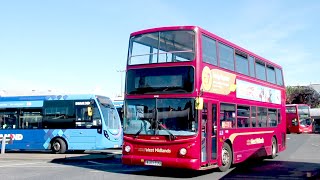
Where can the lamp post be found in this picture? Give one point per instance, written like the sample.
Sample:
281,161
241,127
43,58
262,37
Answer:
121,72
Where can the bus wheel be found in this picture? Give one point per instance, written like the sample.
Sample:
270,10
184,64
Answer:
226,157
288,131
58,146
274,148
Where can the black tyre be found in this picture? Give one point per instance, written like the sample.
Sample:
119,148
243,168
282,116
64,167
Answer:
274,148
226,157
288,132
58,146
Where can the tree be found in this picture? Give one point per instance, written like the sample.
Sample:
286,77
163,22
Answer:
302,95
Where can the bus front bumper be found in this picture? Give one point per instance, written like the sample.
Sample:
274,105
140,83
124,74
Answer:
183,163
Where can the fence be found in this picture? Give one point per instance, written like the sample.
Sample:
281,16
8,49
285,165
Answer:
4,140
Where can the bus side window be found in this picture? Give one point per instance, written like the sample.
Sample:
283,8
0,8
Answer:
30,119
10,122
272,117
254,116
243,114
58,114
1,122
262,116
227,115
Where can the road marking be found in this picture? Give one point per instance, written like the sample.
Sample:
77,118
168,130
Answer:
96,171
93,162
56,166
22,164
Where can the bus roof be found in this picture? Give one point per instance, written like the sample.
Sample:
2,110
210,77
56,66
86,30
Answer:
197,29
49,97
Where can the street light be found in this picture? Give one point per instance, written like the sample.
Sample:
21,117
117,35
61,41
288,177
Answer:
121,72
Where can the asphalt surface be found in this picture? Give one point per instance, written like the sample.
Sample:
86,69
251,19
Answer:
301,160
69,156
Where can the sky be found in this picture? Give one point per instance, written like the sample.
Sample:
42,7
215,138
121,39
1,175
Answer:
80,46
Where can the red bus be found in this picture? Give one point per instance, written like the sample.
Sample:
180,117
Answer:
194,100
298,118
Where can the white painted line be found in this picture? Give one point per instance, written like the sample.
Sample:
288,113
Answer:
96,171
22,164
93,162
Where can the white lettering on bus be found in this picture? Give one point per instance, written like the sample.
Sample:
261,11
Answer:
82,103
17,137
221,77
255,141
157,150
160,150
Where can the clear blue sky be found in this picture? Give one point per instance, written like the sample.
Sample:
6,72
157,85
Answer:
78,46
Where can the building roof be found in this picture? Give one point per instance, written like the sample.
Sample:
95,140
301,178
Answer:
316,87
315,112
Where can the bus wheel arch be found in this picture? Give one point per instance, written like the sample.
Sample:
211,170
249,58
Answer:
274,147
226,156
58,145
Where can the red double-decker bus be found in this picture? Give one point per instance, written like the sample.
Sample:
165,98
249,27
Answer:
298,118
194,100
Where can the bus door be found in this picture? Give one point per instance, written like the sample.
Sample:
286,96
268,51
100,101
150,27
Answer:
295,124
208,133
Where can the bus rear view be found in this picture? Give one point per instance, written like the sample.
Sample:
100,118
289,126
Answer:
298,118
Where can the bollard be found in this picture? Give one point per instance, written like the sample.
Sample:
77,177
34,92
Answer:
3,145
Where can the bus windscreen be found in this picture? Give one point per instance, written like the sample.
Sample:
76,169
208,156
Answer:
160,116
163,46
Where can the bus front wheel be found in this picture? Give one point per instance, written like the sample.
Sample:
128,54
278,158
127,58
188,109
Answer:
58,146
226,157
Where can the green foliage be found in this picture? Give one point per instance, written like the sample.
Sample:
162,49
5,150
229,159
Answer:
302,95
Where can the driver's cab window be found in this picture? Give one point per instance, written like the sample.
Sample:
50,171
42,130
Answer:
87,114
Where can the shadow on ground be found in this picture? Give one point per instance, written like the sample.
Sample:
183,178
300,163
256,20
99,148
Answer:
264,169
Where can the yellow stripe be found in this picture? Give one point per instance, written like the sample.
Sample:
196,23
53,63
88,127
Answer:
234,135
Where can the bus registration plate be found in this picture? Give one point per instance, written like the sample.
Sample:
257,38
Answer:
153,163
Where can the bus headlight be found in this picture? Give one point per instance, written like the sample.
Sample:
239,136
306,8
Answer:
183,151
127,149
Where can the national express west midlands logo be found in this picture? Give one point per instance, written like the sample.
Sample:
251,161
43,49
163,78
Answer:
155,150
255,141
17,137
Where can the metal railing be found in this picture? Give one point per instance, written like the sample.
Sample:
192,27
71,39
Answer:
4,140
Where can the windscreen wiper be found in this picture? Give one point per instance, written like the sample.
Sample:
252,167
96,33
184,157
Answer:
171,136
137,134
